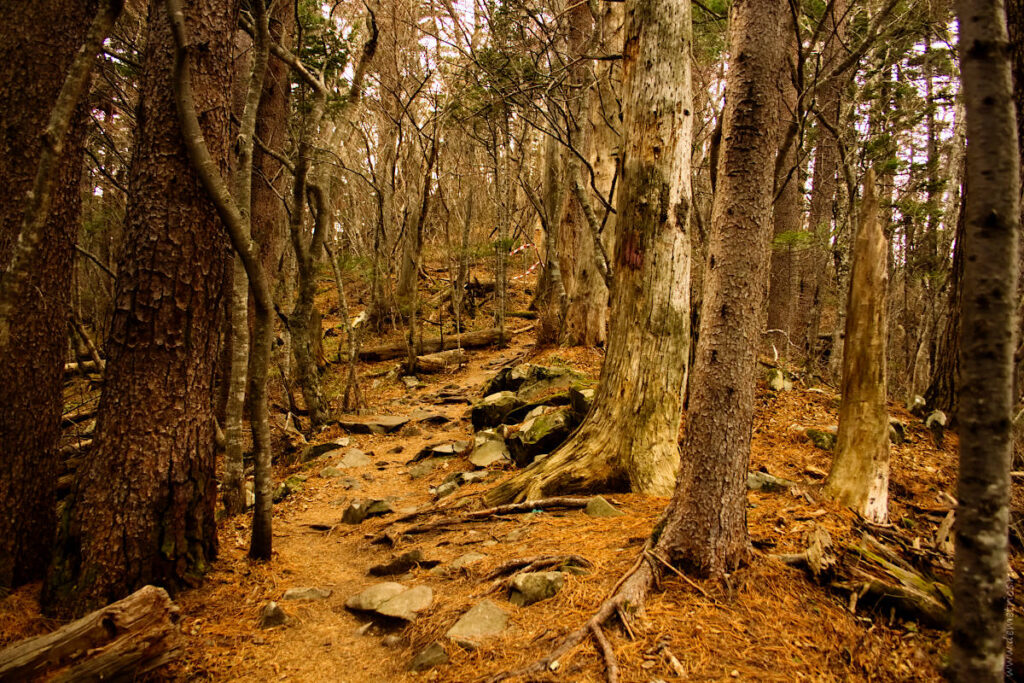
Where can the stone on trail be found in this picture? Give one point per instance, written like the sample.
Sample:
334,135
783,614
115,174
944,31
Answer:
374,424
272,615
289,486
358,510
407,604
446,489
825,439
429,657
482,621
309,593
491,411
540,435
398,565
354,458
599,507
316,450
373,597
422,469
777,380
466,560
490,452
533,587
429,417
331,472
446,449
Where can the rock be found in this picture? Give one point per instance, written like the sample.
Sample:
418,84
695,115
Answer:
897,431
428,417
354,458
250,495
936,423
422,469
411,430
331,472
412,382
777,380
581,400
535,586
448,449
917,406
358,510
599,507
407,604
491,411
825,440
540,435
490,452
446,489
429,657
380,507
397,449
482,621
398,565
306,594
375,424
466,560
762,481
373,597
289,486
475,477
316,450
272,615
392,640
364,629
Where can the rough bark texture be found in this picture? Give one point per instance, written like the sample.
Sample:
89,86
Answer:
986,344
143,507
1015,32
36,47
118,642
943,391
859,476
628,441
705,526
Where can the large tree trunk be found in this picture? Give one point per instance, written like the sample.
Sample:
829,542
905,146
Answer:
944,388
628,440
37,45
860,470
142,510
987,341
705,526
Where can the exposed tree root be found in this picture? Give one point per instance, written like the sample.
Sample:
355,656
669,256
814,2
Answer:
476,515
611,666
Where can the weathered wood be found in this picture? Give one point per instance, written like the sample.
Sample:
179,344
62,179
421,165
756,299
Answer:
469,340
441,361
86,365
125,639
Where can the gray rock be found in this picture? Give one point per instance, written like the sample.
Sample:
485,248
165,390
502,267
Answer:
331,472
429,657
412,382
466,560
373,597
374,424
380,507
446,489
291,485
392,640
599,507
272,615
429,417
482,621
354,458
491,411
447,449
821,438
762,481
316,450
407,604
581,400
777,380
398,565
490,453
936,423
535,586
423,468
540,435
358,510
897,431
309,593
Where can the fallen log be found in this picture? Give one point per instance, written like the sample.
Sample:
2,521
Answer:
120,641
441,361
88,366
429,345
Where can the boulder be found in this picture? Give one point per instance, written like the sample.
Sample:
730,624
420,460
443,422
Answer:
466,560
491,411
482,621
581,400
540,435
354,458
358,510
309,593
533,587
331,472
314,451
489,451
445,449
374,424
428,417
777,380
822,438
599,507
289,486
429,657
373,597
407,604
423,468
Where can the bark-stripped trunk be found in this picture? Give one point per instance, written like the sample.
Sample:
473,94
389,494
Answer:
628,440
987,341
860,470
37,46
705,526
142,510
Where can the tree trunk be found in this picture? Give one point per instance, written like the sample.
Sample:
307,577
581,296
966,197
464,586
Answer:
628,440
143,507
705,526
944,389
859,476
986,344
121,641
37,46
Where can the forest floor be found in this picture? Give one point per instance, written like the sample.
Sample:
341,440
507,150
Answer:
768,622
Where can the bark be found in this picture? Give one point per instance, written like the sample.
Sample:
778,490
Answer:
943,390
859,476
37,46
142,510
1015,32
440,362
121,641
986,345
705,526
628,440
467,340
352,400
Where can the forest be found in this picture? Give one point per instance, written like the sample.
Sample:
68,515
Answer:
532,340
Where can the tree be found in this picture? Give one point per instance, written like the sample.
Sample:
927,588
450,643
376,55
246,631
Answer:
41,132
986,344
142,510
628,440
859,476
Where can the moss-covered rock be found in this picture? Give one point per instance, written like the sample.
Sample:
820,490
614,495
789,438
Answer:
540,435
